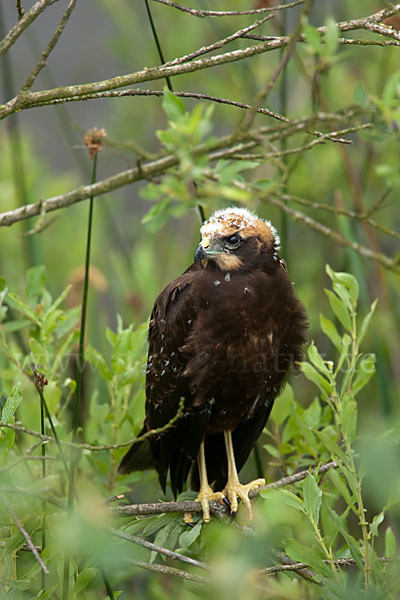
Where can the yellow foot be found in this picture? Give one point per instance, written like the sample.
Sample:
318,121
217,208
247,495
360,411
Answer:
204,497
236,490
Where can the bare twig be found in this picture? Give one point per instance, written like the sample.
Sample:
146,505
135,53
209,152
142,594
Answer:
155,548
27,453
93,448
168,571
198,96
22,24
32,99
25,534
227,13
154,168
298,566
46,53
20,9
157,508
287,55
383,259
219,44
342,211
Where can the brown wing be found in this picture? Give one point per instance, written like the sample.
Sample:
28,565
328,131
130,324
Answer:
175,449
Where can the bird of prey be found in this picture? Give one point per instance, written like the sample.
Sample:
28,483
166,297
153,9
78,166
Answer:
222,336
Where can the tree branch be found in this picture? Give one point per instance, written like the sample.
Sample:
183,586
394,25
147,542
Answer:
168,571
157,508
298,566
22,24
155,548
93,448
25,534
227,13
45,55
159,166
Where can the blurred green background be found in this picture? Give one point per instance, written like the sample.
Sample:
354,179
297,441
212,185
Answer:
42,155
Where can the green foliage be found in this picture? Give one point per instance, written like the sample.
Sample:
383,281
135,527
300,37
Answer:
321,519
195,179
340,409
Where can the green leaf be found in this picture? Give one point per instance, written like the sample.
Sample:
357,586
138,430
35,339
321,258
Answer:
283,405
172,105
301,553
313,375
331,36
366,321
331,443
376,521
317,360
11,404
346,279
360,95
390,543
330,330
157,216
339,310
341,487
96,359
187,538
285,497
349,417
26,310
58,300
313,38
365,370
272,450
351,542
312,497
36,279
84,578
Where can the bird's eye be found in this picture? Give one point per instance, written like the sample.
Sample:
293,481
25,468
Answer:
233,241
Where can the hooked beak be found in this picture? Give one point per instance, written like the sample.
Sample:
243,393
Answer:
207,249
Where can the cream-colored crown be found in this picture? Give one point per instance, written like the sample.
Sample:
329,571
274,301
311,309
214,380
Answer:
239,220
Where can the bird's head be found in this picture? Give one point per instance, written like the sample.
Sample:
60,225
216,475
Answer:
234,238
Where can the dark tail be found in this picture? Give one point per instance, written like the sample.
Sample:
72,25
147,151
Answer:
138,457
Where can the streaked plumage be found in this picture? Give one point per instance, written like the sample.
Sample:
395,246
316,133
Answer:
222,335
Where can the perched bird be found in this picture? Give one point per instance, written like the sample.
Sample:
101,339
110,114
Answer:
222,336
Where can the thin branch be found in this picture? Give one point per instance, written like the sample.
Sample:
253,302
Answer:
351,214
298,566
218,44
157,508
287,55
364,251
93,448
168,571
32,99
20,9
155,548
341,41
152,169
45,493
26,535
22,24
198,96
46,53
227,13
27,453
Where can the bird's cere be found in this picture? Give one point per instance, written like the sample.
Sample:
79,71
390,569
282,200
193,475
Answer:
241,220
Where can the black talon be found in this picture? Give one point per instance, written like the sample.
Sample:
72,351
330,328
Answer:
227,503
190,524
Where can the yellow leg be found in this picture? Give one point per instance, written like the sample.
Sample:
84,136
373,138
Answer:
234,489
206,493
